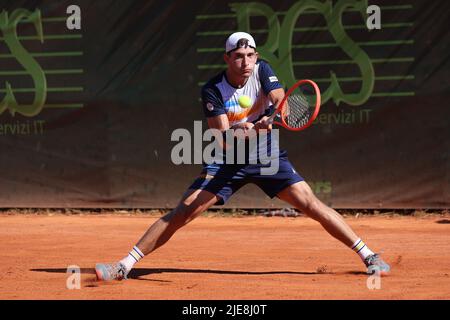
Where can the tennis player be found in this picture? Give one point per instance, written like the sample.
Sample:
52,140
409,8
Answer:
245,75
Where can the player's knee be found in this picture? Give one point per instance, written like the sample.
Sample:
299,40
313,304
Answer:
313,207
318,211
185,213
306,200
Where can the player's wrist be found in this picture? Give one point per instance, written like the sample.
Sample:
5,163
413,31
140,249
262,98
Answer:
243,130
242,125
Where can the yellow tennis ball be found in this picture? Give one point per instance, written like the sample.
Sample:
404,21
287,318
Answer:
245,101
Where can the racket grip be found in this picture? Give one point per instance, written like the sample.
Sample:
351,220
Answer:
272,117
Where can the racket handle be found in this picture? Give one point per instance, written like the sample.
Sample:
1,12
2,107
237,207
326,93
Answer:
272,117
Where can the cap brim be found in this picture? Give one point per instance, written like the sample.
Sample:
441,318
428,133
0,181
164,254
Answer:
239,48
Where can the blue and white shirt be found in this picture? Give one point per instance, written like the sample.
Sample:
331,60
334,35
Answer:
220,97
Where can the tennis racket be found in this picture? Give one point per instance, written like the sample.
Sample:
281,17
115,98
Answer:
299,107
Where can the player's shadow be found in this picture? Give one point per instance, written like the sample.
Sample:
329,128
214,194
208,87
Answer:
139,272
61,270
356,273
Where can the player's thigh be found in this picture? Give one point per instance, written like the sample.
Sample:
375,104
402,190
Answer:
300,196
194,202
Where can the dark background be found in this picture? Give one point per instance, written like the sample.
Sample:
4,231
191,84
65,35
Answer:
140,82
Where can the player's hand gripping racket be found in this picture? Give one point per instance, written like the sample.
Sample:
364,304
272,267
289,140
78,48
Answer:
299,108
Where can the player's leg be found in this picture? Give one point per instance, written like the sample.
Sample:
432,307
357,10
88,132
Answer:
289,186
193,203
301,197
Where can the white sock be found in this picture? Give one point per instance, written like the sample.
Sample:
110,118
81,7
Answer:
361,249
133,256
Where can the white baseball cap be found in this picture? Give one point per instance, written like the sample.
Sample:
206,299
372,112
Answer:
239,40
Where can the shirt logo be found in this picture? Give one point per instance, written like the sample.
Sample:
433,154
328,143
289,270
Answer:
209,106
273,79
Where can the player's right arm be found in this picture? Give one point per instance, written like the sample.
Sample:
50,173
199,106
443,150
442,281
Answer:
216,116
221,123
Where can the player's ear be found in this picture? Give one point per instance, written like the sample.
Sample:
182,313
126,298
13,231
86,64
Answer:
226,57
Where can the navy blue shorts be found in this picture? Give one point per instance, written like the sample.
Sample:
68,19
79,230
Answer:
225,180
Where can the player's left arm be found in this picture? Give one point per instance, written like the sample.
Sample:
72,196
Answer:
272,88
276,96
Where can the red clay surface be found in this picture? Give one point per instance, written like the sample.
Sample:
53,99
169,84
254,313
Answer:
223,258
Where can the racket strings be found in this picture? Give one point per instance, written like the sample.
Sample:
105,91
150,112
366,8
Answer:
299,110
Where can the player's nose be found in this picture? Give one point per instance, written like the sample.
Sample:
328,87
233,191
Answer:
245,62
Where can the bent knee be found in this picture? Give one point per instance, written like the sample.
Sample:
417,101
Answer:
306,199
185,213
313,207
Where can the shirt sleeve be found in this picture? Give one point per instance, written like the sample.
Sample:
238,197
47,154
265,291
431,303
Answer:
212,102
267,77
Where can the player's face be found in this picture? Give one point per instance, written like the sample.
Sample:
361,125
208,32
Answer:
241,61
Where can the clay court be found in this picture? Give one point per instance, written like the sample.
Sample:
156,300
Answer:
220,257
